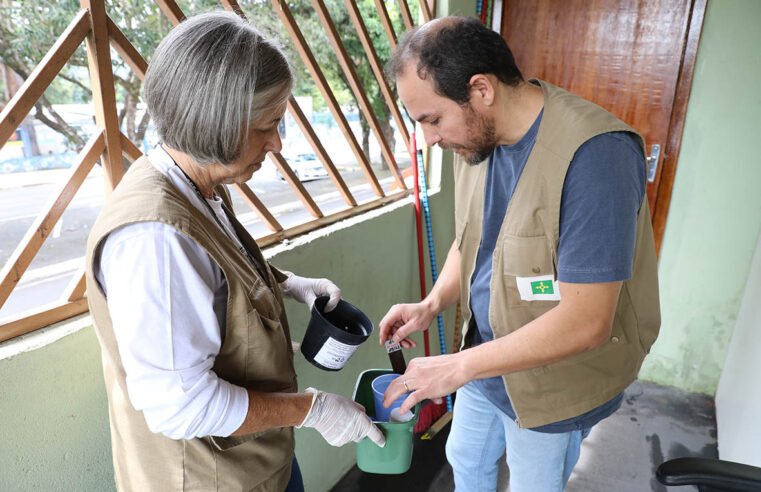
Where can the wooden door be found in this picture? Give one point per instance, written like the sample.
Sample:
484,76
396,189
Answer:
635,58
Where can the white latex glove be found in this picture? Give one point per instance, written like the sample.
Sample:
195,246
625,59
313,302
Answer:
340,420
306,290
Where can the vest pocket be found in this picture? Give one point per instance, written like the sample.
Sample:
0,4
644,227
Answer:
258,464
225,443
527,256
528,271
269,365
263,300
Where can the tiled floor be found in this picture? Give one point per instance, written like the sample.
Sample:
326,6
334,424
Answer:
655,423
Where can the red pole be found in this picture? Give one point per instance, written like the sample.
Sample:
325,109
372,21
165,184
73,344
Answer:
419,228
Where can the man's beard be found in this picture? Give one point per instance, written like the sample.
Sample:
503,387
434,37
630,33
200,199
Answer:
482,138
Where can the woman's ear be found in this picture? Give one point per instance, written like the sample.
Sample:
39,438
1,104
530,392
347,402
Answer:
482,89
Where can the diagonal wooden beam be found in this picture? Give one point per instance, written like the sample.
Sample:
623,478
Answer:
171,10
282,10
318,148
404,8
77,286
388,27
376,65
347,65
129,149
41,228
296,184
426,10
253,201
233,6
126,50
43,74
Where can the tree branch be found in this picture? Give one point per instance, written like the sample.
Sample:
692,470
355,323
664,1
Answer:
58,123
76,82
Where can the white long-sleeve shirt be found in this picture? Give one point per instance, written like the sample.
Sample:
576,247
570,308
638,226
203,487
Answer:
167,300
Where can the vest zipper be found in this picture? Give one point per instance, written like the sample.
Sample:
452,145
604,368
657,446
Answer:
512,404
491,289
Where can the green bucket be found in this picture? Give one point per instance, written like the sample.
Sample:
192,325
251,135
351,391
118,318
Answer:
396,456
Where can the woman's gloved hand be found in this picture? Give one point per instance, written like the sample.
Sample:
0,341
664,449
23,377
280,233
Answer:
306,290
340,420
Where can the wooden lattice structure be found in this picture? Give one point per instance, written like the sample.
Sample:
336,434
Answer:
110,146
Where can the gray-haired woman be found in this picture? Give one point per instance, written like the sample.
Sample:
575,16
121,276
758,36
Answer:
196,348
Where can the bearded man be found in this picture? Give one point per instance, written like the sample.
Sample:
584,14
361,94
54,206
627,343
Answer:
553,259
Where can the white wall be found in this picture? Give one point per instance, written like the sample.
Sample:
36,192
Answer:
738,399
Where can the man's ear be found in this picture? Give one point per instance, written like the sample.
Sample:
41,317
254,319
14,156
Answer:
482,89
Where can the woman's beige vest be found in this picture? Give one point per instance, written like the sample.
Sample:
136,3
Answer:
526,258
256,353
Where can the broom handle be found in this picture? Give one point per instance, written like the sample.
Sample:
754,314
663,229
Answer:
419,230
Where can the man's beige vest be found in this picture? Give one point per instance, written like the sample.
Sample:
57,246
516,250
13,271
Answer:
256,353
527,247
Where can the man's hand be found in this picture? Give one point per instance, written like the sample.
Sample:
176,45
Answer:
306,290
402,320
340,420
428,378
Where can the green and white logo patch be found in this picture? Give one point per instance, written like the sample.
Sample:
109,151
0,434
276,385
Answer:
541,288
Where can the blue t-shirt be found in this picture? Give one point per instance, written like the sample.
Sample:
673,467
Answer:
602,194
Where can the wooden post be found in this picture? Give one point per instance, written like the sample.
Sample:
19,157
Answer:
103,91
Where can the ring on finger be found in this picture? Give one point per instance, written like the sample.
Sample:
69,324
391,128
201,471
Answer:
407,388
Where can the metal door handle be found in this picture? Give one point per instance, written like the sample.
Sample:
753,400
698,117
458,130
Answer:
652,162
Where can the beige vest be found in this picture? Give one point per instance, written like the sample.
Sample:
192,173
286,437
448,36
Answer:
527,247
256,353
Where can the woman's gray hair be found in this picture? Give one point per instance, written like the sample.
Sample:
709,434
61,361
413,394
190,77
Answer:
209,79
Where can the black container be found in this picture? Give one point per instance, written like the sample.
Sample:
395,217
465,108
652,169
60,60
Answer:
331,338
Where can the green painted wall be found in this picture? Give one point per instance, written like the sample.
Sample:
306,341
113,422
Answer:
54,427
715,214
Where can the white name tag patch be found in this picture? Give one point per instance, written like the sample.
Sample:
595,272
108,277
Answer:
541,288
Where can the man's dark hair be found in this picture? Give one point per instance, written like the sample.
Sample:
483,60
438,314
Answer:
451,52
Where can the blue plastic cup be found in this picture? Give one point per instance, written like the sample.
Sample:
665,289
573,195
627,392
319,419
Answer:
379,384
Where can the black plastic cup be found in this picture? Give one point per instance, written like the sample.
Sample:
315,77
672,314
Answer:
331,338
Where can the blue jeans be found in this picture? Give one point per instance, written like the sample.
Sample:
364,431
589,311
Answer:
481,434
296,483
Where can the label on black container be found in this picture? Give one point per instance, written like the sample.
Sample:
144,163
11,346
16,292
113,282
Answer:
334,354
